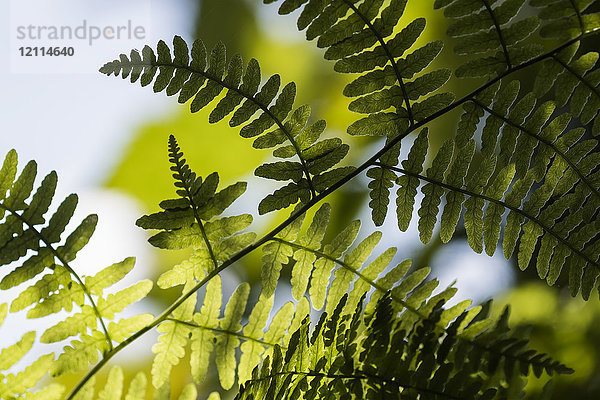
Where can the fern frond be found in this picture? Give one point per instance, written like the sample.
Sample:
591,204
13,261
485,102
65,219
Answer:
210,334
190,221
12,385
373,357
410,293
565,20
534,146
114,388
190,74
574,79
359,38
28,238
489,32
170,347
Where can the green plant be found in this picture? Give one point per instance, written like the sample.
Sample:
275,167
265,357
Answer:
536,163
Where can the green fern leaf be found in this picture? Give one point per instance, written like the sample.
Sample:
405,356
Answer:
27,378
204,81
3,312
170,347
71,326
429,206
203,339
137,387
11,355
324,266
344,276
80,353
276,254
124,328
115,303
8,172
51,392
252,350
78,239
565,20
114,385
189,392
226,344
109,276
305,259
407,191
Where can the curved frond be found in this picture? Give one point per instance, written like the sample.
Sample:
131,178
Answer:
33,243
201,76
363,38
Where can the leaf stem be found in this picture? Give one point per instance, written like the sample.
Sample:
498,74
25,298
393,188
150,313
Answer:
224,331
499,32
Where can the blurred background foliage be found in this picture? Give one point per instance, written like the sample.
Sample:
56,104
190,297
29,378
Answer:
566,328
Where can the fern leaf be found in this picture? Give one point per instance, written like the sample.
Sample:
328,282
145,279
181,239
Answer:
26,379
71,326
50,392
8,172
489,31
252,350
382,180
3,312
429,206
10,355
359,38
80,353
407,190
344,276
87,391
114,385
281,321
137,387
305,259
170,347
78,238
203,339
124,328
276,254
115,303
189,392
575,80
109,276
226,344
324,266
204,80
570,21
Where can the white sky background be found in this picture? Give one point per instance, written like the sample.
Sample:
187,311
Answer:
79,124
